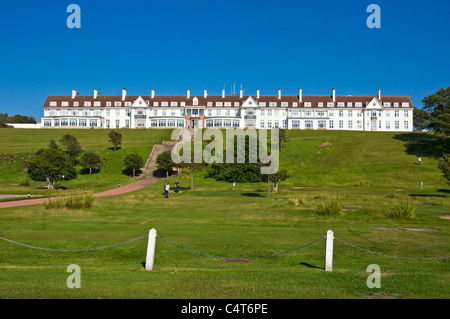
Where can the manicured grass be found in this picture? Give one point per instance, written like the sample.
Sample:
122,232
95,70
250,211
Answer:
18,145
243,222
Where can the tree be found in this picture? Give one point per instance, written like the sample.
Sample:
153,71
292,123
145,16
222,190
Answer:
71,145
115,138
191,167
444,166
133,162
164,161
52,164
276,178
438,107
421,119
90,160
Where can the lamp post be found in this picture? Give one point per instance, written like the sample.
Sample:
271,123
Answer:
63,179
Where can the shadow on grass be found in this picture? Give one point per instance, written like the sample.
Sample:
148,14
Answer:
310,266
85,171
424,144
252,194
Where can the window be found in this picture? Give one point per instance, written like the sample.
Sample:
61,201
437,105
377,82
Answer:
209,104
358,104
405,104
350,124
236,104
350,113
322,124
359,124
269,112
217,123
330,104
295,113
182,103
272,103
87,103
309,124
171,123
261,124
154,123
341,113
195,101
236,124
73,122
284,104
307,104
108,103
117,123
388,125
405,125
320,104
97,104
227,123
117,103
405,114
262,103
397,125
47,123
108,112
321,113
262,112
83,122
277,123
331,124
164,112
349,104
173,103
396,113
269,123
374,113
64,103
155,103
93,123
127,123
294,104
341,104
341,124
76,103
227,103
296,124
284,124
395,104
56,122
52,104
387,104
162,123
209,123
107,123
219,103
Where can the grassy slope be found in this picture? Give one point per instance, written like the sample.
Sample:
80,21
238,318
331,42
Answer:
19,144
245,223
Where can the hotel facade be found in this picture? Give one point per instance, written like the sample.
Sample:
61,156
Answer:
310,112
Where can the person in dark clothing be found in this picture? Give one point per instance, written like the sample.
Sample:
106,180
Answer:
177,187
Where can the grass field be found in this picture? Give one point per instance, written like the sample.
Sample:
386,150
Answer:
368,172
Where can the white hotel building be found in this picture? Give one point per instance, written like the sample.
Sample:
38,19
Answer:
310,112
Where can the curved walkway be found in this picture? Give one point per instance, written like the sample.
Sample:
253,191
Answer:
111,192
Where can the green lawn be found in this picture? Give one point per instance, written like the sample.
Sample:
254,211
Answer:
368,171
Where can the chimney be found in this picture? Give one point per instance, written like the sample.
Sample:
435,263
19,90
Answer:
257,93
279,93
74,93
300,97
241,94
334,95
153,93
188,94
379,94
124,93
95,93
205,94
223,93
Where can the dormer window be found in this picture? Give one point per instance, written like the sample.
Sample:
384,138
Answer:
195,101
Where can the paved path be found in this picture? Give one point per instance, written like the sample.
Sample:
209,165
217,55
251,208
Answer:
147,179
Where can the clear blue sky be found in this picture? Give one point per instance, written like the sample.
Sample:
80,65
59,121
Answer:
175,45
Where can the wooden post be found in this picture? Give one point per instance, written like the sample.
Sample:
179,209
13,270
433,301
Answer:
329,251
150,250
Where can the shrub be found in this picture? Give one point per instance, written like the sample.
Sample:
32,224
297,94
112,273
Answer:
25,182
402,209
71,202
329,207
296,200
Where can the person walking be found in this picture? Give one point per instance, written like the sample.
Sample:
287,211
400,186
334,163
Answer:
164,188
167,190
420,161
177,186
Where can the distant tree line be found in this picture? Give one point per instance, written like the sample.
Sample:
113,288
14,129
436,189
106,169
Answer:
5,118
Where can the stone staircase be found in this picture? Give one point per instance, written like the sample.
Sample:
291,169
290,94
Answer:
151,166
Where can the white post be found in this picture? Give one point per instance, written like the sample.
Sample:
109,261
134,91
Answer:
150,249
329,251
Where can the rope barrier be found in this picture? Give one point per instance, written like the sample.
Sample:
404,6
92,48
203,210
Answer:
407,258
242,259
220,257
72,250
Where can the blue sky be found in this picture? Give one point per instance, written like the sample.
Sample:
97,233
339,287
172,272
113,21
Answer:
175,45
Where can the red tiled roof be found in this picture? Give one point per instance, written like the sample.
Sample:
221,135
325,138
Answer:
202,101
